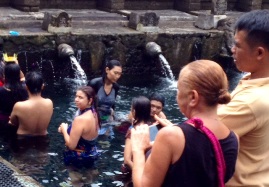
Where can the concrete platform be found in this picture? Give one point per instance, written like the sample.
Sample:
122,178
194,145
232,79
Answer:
12,177
92,21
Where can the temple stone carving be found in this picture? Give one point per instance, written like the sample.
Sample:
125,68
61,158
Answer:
59,22
144,22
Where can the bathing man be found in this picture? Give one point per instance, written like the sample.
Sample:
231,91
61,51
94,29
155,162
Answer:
33,115
157,102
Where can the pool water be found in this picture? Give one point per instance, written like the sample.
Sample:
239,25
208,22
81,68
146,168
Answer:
45,161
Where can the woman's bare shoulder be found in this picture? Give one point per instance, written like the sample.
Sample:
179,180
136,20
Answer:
170,132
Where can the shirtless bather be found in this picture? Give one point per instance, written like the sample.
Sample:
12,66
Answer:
33,115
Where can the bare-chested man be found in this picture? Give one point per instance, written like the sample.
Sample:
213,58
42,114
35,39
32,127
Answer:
33,115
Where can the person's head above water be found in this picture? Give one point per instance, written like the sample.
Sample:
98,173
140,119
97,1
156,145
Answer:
34,82
12,73
86,97
157,102
89,95
140,109
203,83
113,71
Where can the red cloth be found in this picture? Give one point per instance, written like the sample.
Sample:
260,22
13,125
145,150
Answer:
221,167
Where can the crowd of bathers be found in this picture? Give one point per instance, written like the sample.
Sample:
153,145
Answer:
223,142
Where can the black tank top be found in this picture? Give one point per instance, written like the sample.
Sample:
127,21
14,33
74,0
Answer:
197,164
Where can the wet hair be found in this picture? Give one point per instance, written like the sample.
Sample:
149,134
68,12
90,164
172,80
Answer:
12,75
209,80
12,80
141,106
110,65
157,97
256,25
90,93
34,82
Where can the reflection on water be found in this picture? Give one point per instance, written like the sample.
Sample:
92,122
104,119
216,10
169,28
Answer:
46,164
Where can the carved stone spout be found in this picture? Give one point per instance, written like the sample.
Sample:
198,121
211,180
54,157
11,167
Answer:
153,49
65,50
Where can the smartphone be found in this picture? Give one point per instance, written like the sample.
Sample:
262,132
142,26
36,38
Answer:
153,130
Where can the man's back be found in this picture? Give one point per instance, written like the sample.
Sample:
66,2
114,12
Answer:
33,116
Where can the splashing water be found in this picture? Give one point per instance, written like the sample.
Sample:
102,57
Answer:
79,72
166,67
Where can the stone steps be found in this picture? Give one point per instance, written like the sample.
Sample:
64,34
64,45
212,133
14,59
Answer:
105,23
11,24
87,19
83,19
175,24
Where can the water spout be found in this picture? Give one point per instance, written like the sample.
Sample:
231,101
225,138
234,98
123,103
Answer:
153,50
65,50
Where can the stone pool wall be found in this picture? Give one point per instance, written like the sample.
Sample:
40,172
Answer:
179,49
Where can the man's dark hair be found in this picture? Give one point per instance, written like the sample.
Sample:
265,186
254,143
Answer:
34,82
157,97
256,25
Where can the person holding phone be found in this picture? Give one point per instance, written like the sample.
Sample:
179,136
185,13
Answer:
201,151
140,110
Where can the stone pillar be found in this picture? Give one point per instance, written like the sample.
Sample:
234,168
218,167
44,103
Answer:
111,5
26,5
187,5
147,22
248,5
218,7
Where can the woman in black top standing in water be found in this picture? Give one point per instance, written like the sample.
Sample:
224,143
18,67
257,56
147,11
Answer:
106,89
11,92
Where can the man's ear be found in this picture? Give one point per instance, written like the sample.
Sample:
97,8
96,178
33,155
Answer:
42,87
260,53
193,98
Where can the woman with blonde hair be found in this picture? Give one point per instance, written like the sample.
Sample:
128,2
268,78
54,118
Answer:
199,152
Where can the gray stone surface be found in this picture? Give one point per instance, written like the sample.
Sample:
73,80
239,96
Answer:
205,21
22,179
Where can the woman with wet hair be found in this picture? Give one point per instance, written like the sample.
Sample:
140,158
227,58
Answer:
140,110
201,151
106,88
11,92
80,136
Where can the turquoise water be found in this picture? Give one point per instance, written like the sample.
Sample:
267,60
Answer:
45,162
